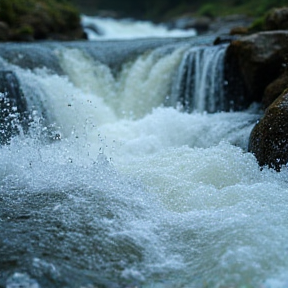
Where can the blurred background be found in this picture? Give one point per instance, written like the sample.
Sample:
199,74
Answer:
163,10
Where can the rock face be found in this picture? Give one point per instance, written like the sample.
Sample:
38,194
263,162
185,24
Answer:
259,58
269,138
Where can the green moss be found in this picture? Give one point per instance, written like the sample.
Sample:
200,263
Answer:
25,30
40,17
208,10
258,24
63,13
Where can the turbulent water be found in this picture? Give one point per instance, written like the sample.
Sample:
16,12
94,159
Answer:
98,28
115,185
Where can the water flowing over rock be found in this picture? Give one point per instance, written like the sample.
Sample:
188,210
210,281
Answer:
12,106
269,138
200,82
259,58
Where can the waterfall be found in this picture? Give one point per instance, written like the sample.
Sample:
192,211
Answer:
199,85
129,84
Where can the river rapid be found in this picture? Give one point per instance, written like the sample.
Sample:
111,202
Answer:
116,185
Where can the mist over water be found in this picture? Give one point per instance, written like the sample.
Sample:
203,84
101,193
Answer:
113,187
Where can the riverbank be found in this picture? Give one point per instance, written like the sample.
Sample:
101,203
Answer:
39,20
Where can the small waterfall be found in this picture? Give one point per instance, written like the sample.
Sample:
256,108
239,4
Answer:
129,87
13,106
200,82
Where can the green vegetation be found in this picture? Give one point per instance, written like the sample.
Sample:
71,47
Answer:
258,24
39,19
208,10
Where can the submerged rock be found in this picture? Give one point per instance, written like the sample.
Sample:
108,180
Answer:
259,59
269,138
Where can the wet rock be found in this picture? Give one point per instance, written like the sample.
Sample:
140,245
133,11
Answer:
274,89
277,19
259,59
224,25
269,138
239,30
93,27
224,39
200,24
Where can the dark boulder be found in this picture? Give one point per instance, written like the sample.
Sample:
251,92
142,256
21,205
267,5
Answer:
259,58
269,138
277,19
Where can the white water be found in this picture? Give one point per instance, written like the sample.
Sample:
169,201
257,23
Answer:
107,28
146,195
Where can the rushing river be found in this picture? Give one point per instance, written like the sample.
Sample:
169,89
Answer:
116,185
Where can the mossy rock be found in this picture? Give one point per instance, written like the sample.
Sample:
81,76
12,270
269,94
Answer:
41,19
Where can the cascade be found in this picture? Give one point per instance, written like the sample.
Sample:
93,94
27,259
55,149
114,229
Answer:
13,107
200,81
162,72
